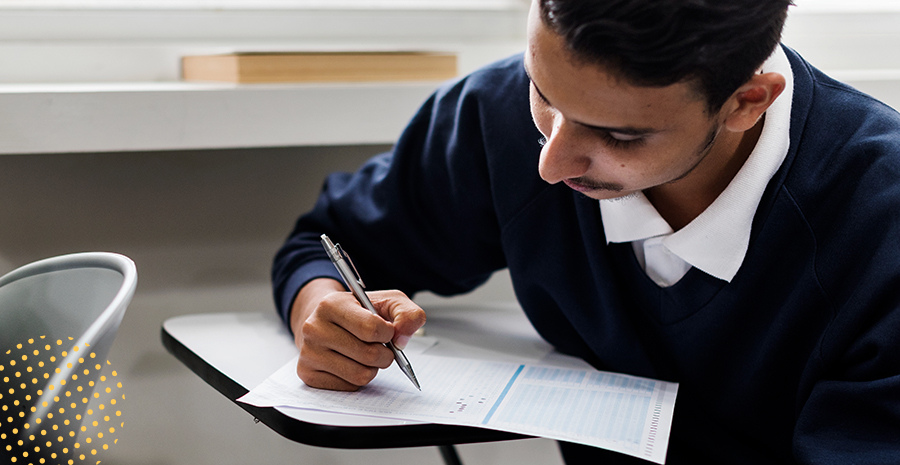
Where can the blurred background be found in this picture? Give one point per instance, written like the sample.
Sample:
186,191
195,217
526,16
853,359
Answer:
103,147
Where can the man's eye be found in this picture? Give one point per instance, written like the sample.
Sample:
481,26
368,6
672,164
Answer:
624,137
619,140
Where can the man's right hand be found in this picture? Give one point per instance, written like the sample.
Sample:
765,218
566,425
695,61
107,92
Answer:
341,343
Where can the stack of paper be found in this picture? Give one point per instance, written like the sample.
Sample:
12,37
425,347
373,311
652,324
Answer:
618,412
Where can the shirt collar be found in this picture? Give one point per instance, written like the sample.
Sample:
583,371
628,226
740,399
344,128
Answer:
716,241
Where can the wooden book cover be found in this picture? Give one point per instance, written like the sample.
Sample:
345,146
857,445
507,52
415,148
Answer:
319,67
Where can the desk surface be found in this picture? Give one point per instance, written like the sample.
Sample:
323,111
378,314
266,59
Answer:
234,352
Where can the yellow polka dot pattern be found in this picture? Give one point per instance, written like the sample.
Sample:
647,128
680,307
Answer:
83,411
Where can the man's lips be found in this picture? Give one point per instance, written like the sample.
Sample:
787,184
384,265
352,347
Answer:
578,186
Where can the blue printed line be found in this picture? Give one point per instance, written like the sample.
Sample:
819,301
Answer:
503,394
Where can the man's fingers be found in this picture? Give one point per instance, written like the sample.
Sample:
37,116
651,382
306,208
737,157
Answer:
327,337
355,363
406,316
342,309
324,380
342,344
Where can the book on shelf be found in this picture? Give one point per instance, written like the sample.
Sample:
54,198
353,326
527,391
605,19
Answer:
262,67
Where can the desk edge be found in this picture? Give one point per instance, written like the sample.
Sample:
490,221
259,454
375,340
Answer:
339,437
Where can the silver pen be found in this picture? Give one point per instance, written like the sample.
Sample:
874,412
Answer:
351,278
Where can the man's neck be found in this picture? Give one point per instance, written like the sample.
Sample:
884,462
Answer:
682,201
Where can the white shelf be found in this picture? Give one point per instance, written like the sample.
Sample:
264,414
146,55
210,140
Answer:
47,118
109,117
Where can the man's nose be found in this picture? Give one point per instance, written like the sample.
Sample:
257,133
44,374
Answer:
562,156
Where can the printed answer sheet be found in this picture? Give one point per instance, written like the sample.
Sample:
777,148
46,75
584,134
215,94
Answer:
618,412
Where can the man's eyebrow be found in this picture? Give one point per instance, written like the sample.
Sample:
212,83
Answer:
626,130
538,90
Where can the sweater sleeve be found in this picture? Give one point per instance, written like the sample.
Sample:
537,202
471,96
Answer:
851,412
420,217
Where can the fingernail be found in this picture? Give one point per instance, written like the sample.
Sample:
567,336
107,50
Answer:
401,342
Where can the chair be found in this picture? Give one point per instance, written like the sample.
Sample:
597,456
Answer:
58,319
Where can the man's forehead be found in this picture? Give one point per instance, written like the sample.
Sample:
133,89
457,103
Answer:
585,94
626,130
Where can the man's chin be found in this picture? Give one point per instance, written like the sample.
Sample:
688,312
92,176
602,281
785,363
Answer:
619,196
609,195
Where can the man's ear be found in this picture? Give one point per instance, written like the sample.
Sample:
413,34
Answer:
751,100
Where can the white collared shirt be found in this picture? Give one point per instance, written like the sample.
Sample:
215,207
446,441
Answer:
716,241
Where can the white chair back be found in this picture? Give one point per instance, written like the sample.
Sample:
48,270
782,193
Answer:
79,299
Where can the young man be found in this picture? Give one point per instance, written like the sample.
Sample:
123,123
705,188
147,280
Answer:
675,195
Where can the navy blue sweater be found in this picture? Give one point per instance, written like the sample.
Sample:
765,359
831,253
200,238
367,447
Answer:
797,360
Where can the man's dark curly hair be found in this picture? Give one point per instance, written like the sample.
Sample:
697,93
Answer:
716,45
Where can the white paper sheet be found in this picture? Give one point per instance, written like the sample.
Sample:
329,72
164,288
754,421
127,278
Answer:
618,412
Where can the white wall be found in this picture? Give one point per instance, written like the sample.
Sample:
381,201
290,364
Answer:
857,42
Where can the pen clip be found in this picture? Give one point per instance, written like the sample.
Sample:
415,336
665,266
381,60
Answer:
343,254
